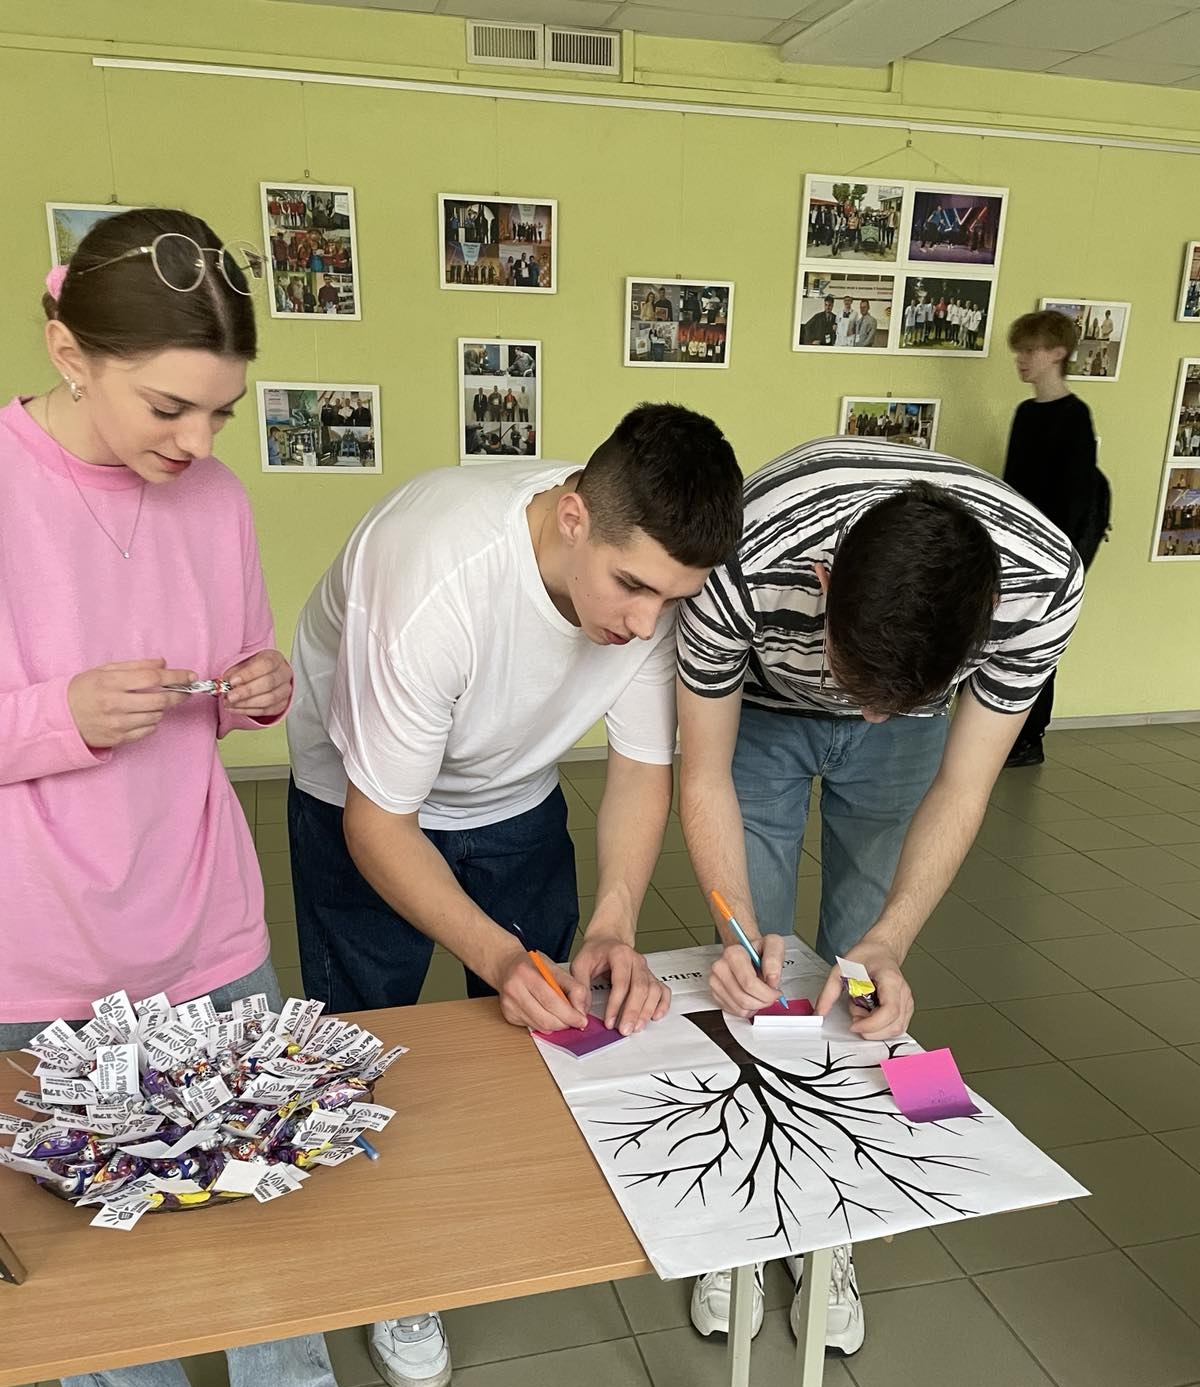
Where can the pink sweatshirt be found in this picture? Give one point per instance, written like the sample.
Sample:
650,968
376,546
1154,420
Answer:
131,867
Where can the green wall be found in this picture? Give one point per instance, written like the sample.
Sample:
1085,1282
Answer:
641,191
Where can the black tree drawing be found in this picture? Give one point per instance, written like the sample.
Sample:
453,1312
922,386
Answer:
786,1129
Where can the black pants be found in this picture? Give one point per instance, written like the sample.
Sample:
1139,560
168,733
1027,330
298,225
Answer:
1038,717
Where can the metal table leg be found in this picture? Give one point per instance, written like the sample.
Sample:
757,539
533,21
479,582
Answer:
741,1325
814,1311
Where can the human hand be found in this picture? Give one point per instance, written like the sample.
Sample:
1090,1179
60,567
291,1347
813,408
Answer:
734,981
262,685
123,701
527,999
891,1017
636,997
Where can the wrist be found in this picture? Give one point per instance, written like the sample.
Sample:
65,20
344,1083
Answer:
497,957
611,920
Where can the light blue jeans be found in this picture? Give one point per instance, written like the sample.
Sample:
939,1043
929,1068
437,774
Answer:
299,1362
873,776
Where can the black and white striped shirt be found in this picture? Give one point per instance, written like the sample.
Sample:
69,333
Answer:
761,616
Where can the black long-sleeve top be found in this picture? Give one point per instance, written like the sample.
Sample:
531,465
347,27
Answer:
1051,460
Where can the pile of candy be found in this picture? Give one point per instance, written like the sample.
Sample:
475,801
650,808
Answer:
150,1106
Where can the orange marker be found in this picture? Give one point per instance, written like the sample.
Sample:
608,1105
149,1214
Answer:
540,964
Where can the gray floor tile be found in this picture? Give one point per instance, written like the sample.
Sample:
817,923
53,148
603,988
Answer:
1106,960
1160,828
1160,1089
586,877
688,904
1147,865
1056,777
656,914
290,982
940,1334
271,802
1130,776
271,837
1021,1239
1180,947
1088,835
1051,1105
933,985
1169,1009
1185,1143
957,924
653,941
1141,1191
1189,852
348,1356
1008,970
674,869
1006,836
534,1324
1097,1322
1079,1025
1175,1268
1041,917
1035,806
1174,799
910,1259
1184,894
979,1037
1067,872
279,904
584,840
1129,909
1191,1051
1107,803
444,982
682,1358
589,768
247,793
209,1370
285,946
615,1364
989,881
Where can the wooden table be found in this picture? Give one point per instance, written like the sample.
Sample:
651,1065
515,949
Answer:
484,1190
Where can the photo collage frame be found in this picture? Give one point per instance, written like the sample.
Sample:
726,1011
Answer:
896,266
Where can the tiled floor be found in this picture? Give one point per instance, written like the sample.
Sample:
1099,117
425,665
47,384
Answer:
1064,971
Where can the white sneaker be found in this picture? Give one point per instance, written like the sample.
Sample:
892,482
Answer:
844,1330
710,1302
411,1352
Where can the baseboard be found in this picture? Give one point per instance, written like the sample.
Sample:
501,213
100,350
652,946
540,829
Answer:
598,753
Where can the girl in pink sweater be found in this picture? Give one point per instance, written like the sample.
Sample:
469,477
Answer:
128,562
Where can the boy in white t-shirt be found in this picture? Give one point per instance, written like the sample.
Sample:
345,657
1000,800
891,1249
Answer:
475,625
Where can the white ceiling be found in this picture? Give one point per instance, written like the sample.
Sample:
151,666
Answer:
1153,41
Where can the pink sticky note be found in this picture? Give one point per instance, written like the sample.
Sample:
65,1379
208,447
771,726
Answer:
928,1087
580,1043
796,1008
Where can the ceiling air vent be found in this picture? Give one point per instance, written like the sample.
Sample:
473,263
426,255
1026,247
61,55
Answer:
583,50
504,45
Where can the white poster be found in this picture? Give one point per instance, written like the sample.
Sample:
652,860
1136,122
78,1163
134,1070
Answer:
727,1144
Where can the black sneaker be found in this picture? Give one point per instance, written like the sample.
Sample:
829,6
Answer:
1026,754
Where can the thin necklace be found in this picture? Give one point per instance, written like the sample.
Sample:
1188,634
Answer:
125,550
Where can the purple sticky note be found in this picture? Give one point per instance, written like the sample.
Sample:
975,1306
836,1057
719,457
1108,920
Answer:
928,1087
580,1043
798,1012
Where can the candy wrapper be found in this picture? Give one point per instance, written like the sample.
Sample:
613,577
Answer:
150,1107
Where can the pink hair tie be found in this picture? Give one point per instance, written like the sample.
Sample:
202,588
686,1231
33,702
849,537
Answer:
54,281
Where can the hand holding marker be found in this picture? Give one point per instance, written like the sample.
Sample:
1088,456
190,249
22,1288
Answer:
719,901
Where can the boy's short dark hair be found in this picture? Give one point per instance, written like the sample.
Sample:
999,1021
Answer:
911,591
1048,328
670,473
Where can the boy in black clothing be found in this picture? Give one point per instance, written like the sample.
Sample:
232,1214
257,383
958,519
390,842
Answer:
1051,461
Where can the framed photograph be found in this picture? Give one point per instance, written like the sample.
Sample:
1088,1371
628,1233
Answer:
956,226
843,311
910,421
1184,443
309,239
678,322
498,243
499,399
1177,520
845,218
1189,290
945,316
1100,329
309,427
69,222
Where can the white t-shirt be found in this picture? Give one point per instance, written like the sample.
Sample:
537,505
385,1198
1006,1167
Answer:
434,671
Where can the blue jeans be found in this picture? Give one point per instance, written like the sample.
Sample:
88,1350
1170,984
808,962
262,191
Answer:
873,776
357,953
301,1362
